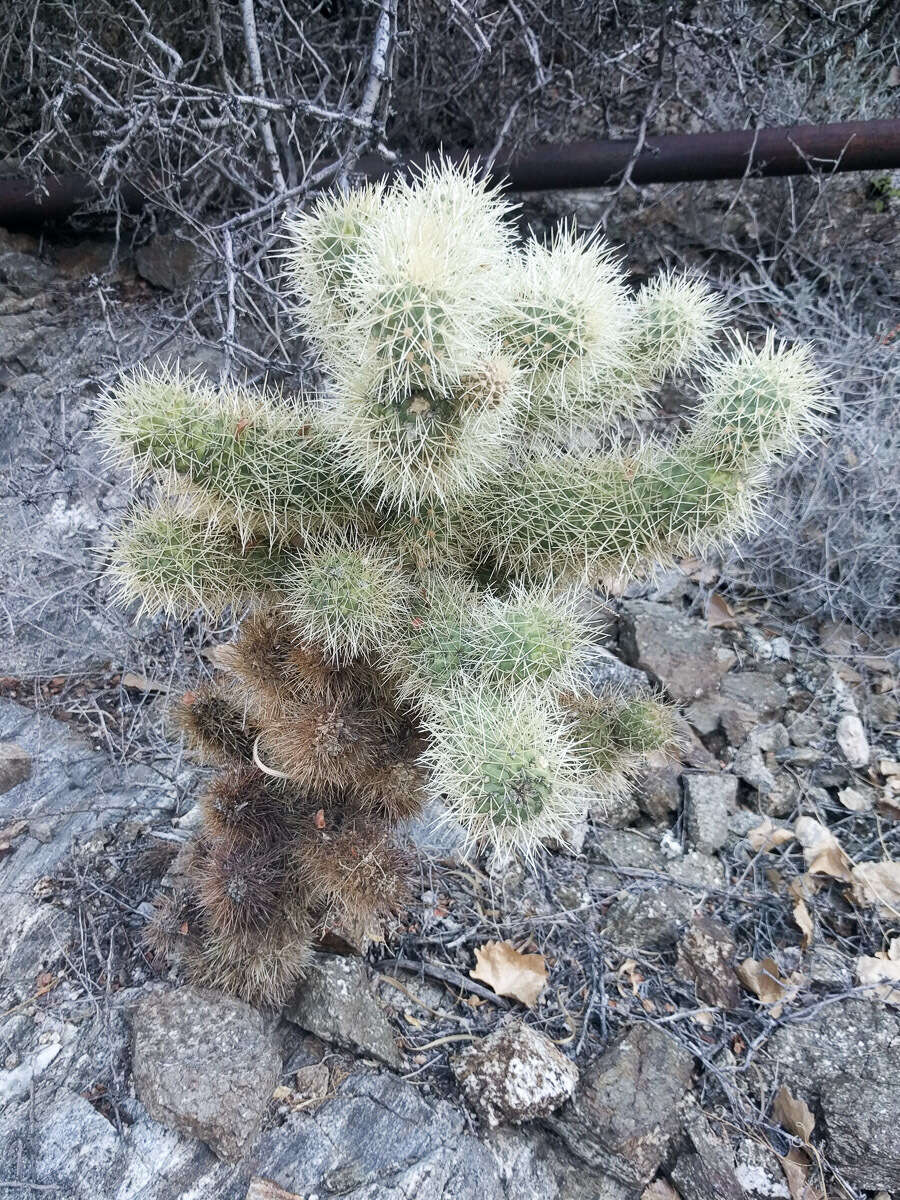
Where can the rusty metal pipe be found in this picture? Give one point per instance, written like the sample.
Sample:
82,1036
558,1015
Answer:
669,158
680,157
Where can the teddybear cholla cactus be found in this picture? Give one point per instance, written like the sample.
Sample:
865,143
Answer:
410,545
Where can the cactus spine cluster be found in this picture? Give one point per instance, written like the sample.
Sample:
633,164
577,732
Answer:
408,545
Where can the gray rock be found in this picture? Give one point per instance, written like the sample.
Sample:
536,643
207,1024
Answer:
625,1111
851,737
15,766
845,1062
803,728
759,693
74,789
204,1065
699,870
658,791
25,273
678,651
750,765
708,801
705,957
514,1075
335,1003
704,1169
377,1138
169,262
758,1172
648,920
827,967
606,672
616,812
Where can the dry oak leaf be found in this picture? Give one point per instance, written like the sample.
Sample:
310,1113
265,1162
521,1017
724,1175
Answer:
768,835
804,923
878,884
509,973
821,849
719,613
795,1165
793,1115
766,981
882,970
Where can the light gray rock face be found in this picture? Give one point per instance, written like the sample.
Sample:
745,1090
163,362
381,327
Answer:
204,1065
845,1064
71,792
514,1075
677,650
708,801
624,1114
648,920
335,1003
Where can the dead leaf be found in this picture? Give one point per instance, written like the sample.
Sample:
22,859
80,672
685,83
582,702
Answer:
882,974
719,613
854,799
319,819
767,982
804,923
793,1115
795,1165
629,969
768,835
143,683
888,766
878,884
509,973
821,849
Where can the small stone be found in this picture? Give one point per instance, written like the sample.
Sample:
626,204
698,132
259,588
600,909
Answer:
15,766
758,1172
658,791
762,694
851,737
618,812
649,920
708,801
205,1066
698,870
781,648
677,650
334,1003
606,672
514,1075
750,766
169,262
625,1112
804,729
705,957
827,967
704,1169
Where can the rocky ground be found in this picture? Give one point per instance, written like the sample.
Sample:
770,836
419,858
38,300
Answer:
711,1014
